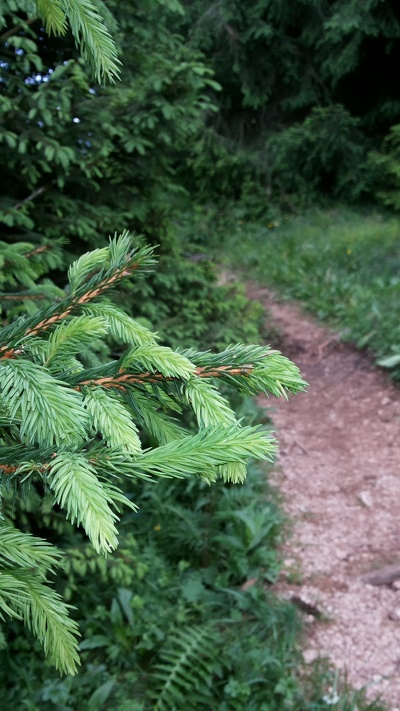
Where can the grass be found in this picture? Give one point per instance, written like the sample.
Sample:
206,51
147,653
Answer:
342,265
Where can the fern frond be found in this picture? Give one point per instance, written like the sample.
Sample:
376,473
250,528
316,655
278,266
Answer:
186,668
77,489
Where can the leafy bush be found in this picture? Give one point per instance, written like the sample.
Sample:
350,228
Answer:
287,71
324,154
78,159
385,169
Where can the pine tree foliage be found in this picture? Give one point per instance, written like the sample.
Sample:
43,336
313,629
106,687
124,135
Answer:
77,432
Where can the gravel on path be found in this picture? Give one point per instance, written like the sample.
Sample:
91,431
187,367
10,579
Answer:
339,472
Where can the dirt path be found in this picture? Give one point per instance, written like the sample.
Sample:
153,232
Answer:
339,469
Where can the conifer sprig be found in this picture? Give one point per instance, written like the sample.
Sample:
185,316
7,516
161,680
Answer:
207,449
116,263
91,34
79,431
78,490
24,594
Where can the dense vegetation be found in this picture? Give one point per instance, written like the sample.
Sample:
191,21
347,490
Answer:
342,264
228,119
309,95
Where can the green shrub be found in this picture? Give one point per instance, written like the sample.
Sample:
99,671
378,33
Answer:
385,170
322,155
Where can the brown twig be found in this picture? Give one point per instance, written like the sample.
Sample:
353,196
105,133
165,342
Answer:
30,197
7,468
45,324
22,297
37,250
123,379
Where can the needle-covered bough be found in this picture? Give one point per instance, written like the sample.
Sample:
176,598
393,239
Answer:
76,433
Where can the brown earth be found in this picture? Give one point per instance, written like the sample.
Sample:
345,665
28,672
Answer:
339,471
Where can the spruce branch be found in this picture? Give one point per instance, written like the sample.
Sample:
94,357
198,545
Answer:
70,337
78,430
159,360
93,38
29,198
146,410
25,560
53,16
45,613
248,378
112,419
78,489
118,261
48,411
209,448
121,327
210,407
119,269
90,33
37,250
23,549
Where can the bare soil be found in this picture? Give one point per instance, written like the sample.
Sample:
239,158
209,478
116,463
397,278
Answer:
339,472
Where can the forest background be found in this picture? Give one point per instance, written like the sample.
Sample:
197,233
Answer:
231,123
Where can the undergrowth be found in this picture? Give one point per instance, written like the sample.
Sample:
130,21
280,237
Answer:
181,616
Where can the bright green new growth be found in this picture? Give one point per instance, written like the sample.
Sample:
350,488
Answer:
77,432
